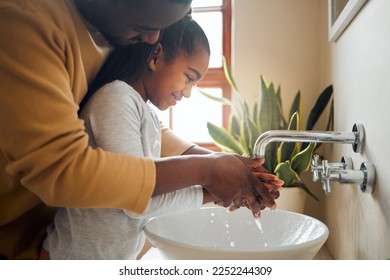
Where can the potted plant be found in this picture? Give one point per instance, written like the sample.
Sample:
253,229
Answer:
286,160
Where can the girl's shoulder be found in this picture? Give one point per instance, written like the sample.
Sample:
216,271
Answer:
114,97
119,91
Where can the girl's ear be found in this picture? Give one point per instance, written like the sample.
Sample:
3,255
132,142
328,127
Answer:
157,56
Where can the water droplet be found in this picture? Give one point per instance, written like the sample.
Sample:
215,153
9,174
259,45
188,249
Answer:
227,225
265,244
212,214
258,223
232,244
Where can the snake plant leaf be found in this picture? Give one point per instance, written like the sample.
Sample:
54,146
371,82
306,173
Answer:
234,126
255,115
228,74
319,107
284,172
223,100
287,150
330,124
271,157
224,140
283,122
255,111
247,134
317,110
254,134
270,116
296,107
301,161
245,109
279,96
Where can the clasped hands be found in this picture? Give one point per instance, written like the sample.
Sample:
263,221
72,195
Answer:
263,190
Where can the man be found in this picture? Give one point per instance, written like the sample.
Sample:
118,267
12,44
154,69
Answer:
51,50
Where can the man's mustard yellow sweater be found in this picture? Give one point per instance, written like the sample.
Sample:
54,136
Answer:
47,60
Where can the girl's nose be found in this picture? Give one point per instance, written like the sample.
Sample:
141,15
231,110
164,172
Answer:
186,92
150,37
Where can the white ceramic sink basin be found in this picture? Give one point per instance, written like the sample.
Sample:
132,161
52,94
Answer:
213,233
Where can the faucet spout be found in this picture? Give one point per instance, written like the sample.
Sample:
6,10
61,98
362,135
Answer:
356,138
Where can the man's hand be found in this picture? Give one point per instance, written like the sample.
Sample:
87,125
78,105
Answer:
267,188
234,184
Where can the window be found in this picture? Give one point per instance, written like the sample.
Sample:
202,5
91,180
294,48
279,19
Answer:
189,117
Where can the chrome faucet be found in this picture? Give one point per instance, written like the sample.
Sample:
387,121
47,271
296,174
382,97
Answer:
343,173
356,138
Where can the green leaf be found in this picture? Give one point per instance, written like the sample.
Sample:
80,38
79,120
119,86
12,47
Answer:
283,123
296,106
284,172
254,134
301,161
245,109
255,114
279,96
234,126
245,136
319,107
286,150
228,74
269,110
222,100
271,157
330,124
223,139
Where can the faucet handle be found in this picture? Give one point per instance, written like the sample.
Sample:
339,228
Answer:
326,185
347,162
343,172
315,168
328,172
319,171
327,169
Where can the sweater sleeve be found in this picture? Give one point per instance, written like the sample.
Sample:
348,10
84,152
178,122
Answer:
42,139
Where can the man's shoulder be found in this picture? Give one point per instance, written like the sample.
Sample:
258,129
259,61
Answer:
37,7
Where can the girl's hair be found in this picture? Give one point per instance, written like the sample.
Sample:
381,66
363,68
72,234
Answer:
123,63
130,62
184,37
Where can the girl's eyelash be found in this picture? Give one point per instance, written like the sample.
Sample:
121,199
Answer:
190,79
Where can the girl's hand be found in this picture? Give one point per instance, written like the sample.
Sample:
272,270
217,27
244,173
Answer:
270,181
233,183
